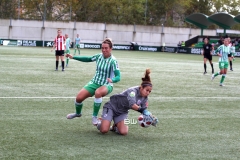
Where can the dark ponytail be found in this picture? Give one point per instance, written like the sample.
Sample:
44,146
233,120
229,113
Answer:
146,80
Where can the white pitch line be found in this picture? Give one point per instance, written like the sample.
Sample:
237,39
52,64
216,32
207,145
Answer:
109,97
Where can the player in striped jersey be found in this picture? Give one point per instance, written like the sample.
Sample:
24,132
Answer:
77,44
68,45
107,73
59,46
223,52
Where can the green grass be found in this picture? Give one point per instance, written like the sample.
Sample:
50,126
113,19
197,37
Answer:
195,122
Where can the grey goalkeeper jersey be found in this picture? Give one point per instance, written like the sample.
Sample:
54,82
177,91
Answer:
121,103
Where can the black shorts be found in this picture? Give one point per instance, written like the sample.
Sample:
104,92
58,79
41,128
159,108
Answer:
59,53
208,56
229,55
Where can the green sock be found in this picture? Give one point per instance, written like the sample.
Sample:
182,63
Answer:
78,107
67,60
96,108
74,51
79,51
216,74
222,79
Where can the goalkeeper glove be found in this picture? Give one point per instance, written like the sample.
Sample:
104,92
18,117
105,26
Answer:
155,121
143,110
146,112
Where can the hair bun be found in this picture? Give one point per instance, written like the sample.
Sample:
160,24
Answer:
147,76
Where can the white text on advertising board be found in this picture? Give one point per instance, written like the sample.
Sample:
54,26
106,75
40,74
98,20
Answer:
153,49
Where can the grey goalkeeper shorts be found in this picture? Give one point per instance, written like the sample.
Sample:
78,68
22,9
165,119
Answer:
108,114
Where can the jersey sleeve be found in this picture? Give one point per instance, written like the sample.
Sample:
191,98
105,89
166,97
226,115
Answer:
218,49
95,57
131,96
115,65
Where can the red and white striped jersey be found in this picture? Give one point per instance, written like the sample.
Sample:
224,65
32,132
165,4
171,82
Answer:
59,43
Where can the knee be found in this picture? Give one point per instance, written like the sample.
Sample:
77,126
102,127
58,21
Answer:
103,130
78,99
98,94
123,131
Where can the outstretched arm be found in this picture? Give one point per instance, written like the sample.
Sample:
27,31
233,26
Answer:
81,58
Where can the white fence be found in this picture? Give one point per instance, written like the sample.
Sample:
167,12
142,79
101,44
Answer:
96,32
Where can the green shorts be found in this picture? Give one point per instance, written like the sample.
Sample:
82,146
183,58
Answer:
223,65
77,46
67,51
92,87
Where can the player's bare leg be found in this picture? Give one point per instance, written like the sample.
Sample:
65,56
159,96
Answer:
104,126
122,128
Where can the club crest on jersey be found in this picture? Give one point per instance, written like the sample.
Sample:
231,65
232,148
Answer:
132,94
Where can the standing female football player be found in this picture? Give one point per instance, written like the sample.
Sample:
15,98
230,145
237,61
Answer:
116,109
231,55
207,53
223,52
59,46
107,73
77,44
68,45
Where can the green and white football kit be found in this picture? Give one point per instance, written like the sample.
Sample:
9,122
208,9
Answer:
68,45
223,61
77,45
106,68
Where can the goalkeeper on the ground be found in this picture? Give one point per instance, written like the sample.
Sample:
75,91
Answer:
116,109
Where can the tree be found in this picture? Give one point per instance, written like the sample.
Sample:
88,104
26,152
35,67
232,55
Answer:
8,9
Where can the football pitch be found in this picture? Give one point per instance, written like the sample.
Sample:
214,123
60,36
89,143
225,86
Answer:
198,119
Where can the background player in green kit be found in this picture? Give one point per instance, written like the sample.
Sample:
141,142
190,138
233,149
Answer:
68,45
77,44
116,109
222,52
107,73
